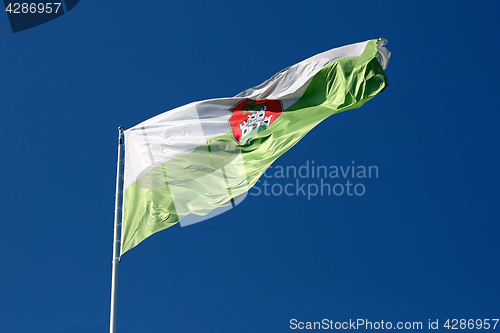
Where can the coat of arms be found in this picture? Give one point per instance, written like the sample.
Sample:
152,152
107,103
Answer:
252,116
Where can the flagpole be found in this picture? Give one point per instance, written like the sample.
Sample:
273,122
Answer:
116,236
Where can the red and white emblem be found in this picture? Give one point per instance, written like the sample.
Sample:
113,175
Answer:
251,116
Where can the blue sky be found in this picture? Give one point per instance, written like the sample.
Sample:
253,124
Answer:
421,243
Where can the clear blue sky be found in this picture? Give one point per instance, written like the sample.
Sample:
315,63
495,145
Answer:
421,243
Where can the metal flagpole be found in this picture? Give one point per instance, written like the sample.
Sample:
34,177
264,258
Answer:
116,236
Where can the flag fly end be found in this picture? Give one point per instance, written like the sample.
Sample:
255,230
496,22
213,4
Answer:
381,42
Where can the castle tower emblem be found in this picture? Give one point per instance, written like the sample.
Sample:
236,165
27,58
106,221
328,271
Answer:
252,116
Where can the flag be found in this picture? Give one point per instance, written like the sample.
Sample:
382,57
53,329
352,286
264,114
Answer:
198,160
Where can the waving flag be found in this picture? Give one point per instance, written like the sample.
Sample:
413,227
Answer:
200,159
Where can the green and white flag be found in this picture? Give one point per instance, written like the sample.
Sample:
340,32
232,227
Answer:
196,161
